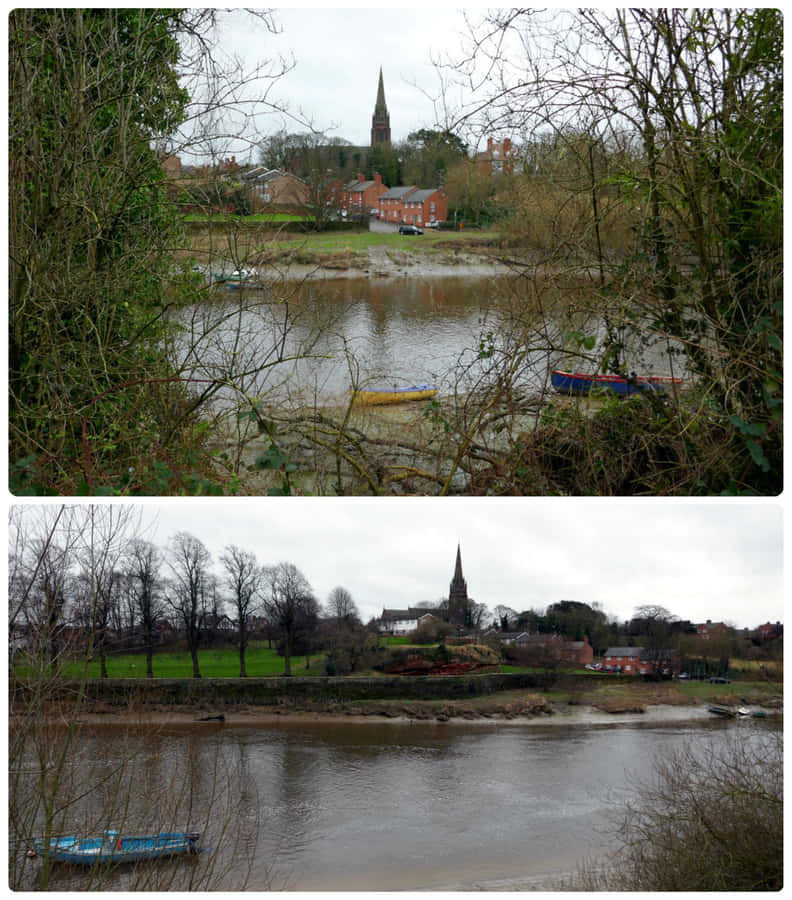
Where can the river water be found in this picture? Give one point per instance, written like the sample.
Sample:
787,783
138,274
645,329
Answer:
311,341
343,805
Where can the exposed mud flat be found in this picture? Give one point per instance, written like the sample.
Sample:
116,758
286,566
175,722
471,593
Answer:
532,712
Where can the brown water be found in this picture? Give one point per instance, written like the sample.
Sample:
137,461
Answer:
317,339
392,805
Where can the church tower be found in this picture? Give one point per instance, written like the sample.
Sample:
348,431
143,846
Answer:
457,595
380,121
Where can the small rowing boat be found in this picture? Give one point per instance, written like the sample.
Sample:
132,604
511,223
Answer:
394,394
579,383
235,279
114,848
726,711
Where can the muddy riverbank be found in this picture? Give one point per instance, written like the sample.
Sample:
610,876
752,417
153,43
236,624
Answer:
502,714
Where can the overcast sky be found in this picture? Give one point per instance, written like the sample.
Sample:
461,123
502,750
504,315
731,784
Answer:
337,55
709,560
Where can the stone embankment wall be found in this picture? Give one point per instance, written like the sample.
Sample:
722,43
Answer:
268,691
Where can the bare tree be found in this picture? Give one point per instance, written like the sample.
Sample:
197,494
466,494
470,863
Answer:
341,606
654,201
244,577
144,562
188,560
104,542
290,605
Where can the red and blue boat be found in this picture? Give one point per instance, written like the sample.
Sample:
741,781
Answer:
580,383
113,848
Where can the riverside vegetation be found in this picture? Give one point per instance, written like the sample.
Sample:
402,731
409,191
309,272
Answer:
653,202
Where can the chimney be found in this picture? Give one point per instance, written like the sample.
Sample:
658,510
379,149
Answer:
506,146
489,145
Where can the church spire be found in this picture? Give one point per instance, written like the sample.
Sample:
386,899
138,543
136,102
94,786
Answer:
380,121
458,567
458,600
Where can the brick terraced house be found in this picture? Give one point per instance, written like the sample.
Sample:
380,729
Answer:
639,660
413,206
361,197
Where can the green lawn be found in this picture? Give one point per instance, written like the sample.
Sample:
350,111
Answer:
360,241
257,217
259,662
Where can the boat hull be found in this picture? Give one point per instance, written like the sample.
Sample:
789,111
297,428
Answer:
579,383
394,395
114,849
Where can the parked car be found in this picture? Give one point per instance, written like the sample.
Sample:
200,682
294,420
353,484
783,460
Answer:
433,224
684,676
409,229
718,680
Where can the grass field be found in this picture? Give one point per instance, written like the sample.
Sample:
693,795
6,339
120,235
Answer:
222,663
260,661
256,217
263,245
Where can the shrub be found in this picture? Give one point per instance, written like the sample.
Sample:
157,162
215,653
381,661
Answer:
712,820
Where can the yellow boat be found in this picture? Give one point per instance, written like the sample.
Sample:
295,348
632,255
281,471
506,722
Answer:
394,395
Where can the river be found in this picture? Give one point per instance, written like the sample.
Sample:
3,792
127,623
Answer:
341,805
311,341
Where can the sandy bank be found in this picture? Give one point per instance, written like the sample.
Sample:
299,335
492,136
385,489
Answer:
253,716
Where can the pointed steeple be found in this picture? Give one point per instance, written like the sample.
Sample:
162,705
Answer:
458,600
458,567
379,107
380,121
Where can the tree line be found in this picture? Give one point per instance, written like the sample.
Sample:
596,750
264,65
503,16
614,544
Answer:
83,581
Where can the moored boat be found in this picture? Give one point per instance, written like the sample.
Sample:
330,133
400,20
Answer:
114,848
237,277
580,383
382,395
722,710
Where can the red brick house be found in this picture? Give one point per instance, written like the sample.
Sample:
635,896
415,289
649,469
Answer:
579,652
422,206
413,206
768,631
639,660
361,197
709,628
391,203
576,652
497,159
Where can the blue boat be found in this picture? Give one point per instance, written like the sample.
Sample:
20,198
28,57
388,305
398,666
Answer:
579,383
114,848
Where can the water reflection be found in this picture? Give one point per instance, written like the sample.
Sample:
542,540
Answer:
332,334
348,806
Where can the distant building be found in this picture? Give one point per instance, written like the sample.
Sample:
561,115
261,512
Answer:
403,621
273,187
380,121
768,631
458,600
172,167
497,159
424,206
640,660
413,205
708,629
361,197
